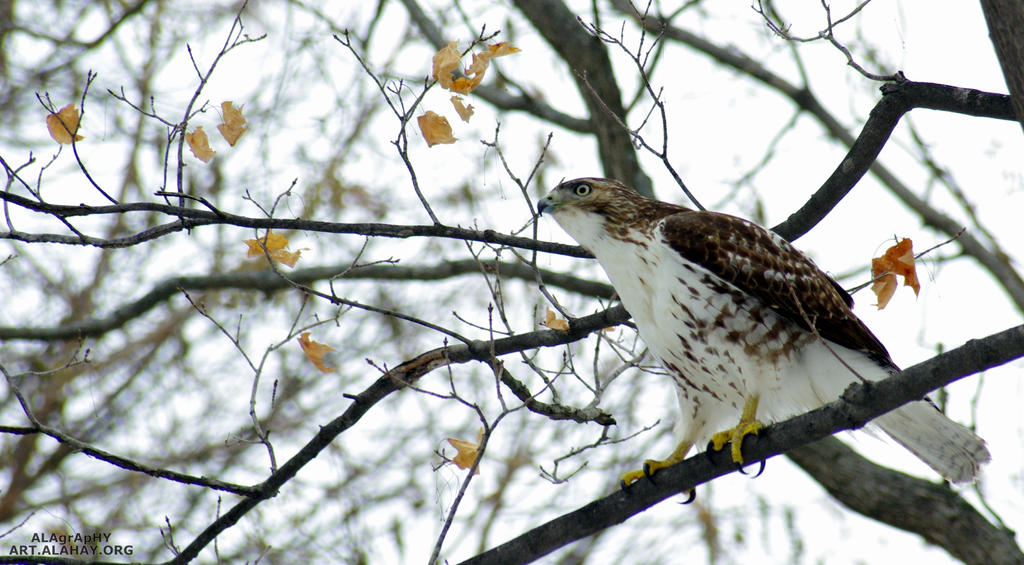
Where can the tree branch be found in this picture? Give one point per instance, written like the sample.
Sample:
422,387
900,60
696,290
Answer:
897,99
122,462
906,96
931,510
587,58
192,218
396,379
269,282
860,403
1005,20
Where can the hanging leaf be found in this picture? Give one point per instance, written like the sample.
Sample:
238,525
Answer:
445,62
63,125
461,109
552,321
199,144
468,451
315,352
275,245
234,122
435,128
898,260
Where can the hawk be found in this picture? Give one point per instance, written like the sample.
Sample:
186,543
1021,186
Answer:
747,326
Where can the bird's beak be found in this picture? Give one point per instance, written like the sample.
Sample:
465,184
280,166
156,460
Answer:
546,204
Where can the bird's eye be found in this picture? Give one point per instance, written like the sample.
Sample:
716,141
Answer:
581,189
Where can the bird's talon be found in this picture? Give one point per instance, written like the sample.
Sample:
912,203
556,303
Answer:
692,496
631,477
652,466
734,438
760,469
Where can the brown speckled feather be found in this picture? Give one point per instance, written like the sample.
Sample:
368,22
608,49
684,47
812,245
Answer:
766,266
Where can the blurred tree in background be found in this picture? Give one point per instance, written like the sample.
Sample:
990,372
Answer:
170,380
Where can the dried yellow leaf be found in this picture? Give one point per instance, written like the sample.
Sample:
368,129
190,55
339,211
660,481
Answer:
481,61
315,352
884,288
272,242
468,451
286,257
445,62
63,125
199,144
233,125
502,49
435,128
275,245
460,108
552,321
897,260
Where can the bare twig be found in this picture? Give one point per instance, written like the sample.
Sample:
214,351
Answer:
116,460
769,15
392,94
639,58
262,436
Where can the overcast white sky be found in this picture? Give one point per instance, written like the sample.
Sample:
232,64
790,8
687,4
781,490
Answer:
720,126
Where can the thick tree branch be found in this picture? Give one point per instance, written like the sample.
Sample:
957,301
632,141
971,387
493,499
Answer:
587,57
897,99
589,64
931,510
859,404
1005,19
906,96
396,379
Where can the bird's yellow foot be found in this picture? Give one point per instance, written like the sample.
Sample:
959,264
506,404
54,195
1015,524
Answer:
652,466
748,425
734,437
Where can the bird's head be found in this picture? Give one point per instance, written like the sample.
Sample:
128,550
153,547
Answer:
592,208
585,195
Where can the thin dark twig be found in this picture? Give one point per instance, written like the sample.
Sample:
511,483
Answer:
116,460
191,218
234,38
827,34
656,101
404,115
90,76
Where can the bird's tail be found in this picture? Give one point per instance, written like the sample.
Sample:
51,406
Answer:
952,450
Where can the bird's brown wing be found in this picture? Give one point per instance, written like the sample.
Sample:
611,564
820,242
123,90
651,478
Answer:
767,267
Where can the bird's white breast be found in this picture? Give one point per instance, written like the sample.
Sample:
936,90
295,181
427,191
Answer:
720,345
